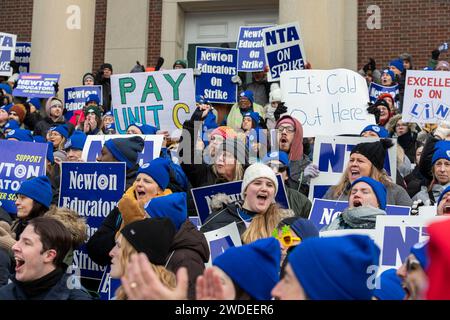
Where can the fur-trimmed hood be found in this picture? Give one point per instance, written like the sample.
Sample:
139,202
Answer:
72,221
393,121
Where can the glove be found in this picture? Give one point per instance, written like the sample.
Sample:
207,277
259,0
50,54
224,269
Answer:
311,171
443,47
279,111
435,54
372,109
237,80
443,130
197,72
7,237
415,207
130,208
56,86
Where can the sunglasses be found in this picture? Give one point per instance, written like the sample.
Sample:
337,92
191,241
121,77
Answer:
286,239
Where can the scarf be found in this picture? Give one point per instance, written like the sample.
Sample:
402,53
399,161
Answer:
37,287
361,217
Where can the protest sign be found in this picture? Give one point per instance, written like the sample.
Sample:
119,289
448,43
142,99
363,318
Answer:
163,99
217,66
283,48
376,89
23,54
332,154
428,211
250,49
340,233
108,285
327,101
93,191
94,144
75,98
203,195
19,161
7,52
220,240
37,85
427,96
323,212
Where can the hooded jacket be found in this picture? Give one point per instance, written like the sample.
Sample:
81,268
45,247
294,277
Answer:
355,218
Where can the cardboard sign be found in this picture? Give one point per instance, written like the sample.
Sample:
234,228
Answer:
250,44
7,52
75,98
427,96
163,99
23,54
93,191
217,66
94,144
19,161
221,239
376,89
327,101
332,154
202,196
37,85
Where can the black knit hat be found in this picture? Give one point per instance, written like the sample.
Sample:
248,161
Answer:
374,151
106,65
126,149
153,237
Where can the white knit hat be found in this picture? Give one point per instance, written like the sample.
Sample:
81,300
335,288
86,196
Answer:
256,171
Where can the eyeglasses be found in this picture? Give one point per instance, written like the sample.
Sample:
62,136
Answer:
286,239
288,129
412,264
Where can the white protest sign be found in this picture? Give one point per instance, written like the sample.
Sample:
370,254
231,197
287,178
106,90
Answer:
163,99
221,239
327,101
427,96
339,233
7,52
428,211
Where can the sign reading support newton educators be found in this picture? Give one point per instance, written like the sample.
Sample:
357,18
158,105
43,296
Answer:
250,45
75,98
427,96
217,66
37,85
93,191
19,161
7,52
327,101
94,144
376,89
23,54
221,239
332,154
283,48
162,99
203,196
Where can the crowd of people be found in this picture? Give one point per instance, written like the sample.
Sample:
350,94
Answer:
158,253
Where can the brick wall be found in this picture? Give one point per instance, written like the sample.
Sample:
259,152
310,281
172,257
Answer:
16,17
98,54
413,26
154,33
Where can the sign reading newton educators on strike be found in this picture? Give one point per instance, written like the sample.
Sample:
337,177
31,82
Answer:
427,96
37,85
283,48
203,196
332,155
250,45
7,52
75,98
92,190
376,89
19,161
217,66
23,54
94,144
220,240
162,99
327,101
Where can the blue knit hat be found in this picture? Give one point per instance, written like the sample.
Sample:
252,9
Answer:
145,128
126,149
50,150
201,99
335,268
7,107
108,114
76,140
390,286
398,63
419,250
158,169
6,88
39,139
254,116
441,151
12,124
378,188
39,189
93,97
172,206
379,130
254,267
20,135
36,102
443,194
304,228
391,73
248,94
61,129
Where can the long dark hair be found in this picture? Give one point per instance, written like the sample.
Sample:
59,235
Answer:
37,210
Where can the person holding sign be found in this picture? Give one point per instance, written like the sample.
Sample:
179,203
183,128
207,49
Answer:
107,121
246,104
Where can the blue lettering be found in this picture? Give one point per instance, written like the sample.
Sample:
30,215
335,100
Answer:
271,38
147,154
442,111
292,34
393,242
94,150
335,158
414,110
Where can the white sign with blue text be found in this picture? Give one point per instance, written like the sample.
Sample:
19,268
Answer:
220,240
7,52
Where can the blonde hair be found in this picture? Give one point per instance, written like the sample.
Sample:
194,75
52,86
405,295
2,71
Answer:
167,278
263,224
61,144
238,171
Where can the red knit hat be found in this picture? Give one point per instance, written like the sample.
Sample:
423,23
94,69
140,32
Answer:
225,132
387,95
20,110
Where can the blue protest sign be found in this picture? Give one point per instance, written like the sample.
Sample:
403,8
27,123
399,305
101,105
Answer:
75,98
108,285
251,51
325,211
23,54
19,161
203,195
37,85
217,66
283,47
93,191
222,239
7,52
376,89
